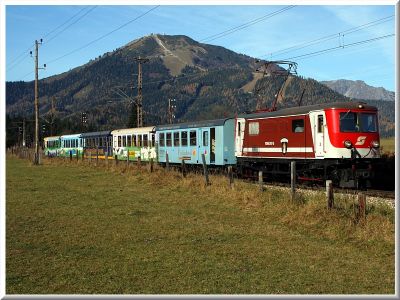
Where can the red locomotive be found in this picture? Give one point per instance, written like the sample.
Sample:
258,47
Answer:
335,141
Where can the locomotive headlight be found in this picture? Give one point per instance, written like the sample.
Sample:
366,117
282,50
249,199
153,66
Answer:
348,144
375,144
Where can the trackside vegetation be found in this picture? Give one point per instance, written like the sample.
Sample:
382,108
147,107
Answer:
388,145
74,228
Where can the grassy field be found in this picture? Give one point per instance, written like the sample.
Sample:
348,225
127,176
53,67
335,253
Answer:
80,229
388,145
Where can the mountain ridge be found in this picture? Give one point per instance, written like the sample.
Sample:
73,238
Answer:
207,82
358,89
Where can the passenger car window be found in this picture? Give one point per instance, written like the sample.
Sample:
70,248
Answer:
162,140
168,139
184,141
176,139
205,138
193,138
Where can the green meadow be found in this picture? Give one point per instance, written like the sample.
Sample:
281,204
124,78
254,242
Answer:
72,228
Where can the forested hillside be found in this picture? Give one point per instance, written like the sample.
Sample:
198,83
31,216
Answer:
207,82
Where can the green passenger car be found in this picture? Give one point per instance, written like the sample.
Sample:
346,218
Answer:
134,143
52,146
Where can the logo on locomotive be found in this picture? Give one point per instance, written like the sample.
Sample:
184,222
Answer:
361,140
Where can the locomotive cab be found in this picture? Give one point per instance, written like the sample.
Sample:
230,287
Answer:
353,143
353,132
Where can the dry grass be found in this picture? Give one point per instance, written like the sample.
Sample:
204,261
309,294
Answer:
388,145
309,212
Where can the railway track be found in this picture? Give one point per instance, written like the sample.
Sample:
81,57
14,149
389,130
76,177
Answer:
389,195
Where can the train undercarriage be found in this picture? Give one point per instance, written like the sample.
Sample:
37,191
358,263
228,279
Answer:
345,173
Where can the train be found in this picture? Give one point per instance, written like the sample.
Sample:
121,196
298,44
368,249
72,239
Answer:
336,141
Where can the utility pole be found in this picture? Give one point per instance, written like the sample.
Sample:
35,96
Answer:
53,111
36,158
171,111
139,104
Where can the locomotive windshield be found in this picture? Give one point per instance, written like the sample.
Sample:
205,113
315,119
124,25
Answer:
358,122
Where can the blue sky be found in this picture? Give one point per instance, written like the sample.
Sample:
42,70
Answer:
373,62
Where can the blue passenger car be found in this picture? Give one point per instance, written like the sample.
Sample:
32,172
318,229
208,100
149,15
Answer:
99,142
188,141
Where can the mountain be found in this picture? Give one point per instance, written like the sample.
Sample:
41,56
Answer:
359,90
178,68
206,81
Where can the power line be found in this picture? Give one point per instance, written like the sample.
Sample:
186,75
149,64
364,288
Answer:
329,37
25,54
197,74
69,19
303,56
76,21
312,54
245,25
367,25
103,36
26,75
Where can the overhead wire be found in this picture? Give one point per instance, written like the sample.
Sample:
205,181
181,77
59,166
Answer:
20,58
245,25
351,30
69,25
319,52
103,36
26,75
61,25
86,45
329,37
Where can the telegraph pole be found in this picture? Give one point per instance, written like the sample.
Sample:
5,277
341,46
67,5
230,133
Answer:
139,104
52,116
36,158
